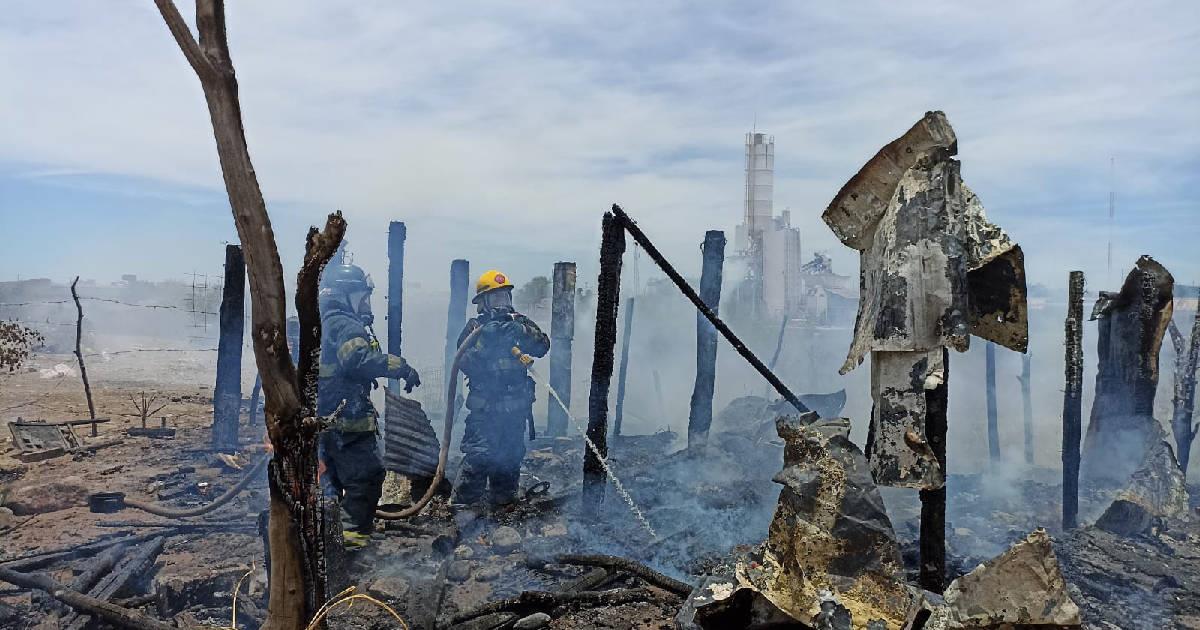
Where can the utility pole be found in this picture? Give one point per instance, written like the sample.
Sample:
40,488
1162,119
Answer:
700,415
562,336
227,394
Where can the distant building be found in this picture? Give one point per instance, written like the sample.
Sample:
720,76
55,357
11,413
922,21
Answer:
777,282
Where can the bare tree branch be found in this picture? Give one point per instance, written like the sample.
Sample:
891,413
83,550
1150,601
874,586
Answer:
183,36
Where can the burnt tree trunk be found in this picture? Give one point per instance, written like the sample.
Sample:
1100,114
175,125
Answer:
562,339
608,299
933,502
295,526
227,394
626,333
1072,427
701,409
1184,400
1130,325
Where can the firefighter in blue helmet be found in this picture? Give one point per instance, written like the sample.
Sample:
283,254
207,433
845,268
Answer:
500,394
351,360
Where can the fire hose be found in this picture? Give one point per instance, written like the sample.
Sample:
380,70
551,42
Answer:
444,453
233,491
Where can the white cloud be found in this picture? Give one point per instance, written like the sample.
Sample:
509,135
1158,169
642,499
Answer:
518,123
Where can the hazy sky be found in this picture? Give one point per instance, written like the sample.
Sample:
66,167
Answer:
501,132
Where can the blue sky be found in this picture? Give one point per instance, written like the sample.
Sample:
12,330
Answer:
500,132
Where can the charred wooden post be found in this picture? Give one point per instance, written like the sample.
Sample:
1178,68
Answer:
690,293
608,299
87,387
993,427
933,502
1072,427
227,394
1131,324
1184,399
562,338
397,233
700,414
1027,404
456,316
626,334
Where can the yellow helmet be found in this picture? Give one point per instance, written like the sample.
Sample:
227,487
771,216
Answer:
491,280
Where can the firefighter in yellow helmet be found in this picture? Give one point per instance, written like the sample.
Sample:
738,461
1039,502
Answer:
500,394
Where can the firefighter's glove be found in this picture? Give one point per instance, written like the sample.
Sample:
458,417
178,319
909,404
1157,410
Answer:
399,368
411,380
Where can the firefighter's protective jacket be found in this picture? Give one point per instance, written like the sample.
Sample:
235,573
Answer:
351,360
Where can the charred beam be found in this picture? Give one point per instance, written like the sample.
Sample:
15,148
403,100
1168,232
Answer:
227,394
691,295
1072,427
562,338
933,502
608,299
700,413
397,233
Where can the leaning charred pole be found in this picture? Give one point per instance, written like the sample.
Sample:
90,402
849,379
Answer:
87,387
608,299
295,524
933,502
397,233
562,339
626,334
227,394
993,426
708,313
701,410
1072,427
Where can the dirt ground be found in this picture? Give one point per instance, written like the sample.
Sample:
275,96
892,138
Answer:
435,567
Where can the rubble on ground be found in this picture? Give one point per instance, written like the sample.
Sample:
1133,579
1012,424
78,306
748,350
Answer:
830,532
1156,492
1022,587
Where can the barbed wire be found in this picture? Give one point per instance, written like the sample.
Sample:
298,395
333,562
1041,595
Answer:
110,353
111,301
30,402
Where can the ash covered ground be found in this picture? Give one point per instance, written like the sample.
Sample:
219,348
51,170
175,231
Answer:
709,512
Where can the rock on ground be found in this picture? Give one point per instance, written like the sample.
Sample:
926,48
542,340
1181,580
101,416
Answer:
1156,491
390,588
1023,585
505,539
